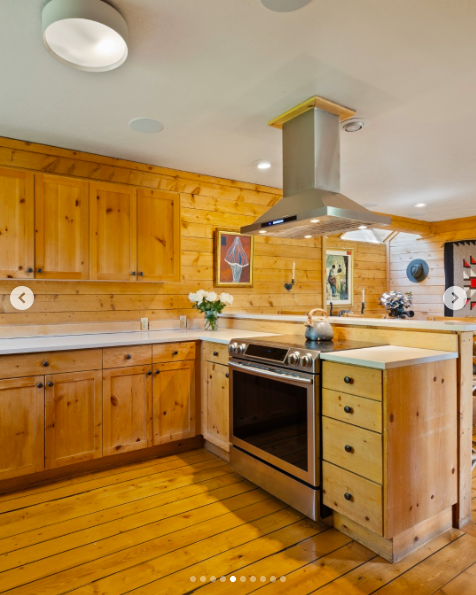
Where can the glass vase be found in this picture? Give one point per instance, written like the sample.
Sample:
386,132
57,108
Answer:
211,321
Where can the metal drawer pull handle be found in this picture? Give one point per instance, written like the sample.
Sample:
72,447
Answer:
348,380
215,353
50,384
39,270
128,356
227,375
348,496
133,273
175,353
348,448
348,409
141,273
149,373
157,371
46,364
40,385
29,270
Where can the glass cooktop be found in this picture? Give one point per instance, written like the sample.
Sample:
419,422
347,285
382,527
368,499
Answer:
300,342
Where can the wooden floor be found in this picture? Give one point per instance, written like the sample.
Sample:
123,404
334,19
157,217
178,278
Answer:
179,524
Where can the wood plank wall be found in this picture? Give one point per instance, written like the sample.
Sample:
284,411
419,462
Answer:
206,203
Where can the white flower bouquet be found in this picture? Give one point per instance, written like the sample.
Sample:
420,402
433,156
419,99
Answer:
211,305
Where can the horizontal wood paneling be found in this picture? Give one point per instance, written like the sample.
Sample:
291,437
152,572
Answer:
206,203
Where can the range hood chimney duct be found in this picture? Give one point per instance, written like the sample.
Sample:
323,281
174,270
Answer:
311,178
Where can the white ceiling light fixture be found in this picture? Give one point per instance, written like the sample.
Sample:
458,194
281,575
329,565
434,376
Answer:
353,124
263,231
262,164
88,35
420,205
314,221
146,125
284,5
362,227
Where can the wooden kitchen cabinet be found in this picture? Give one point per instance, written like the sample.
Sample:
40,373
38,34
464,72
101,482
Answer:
216,404
61,227
22,426
113,225
16,224
127,409
174,401
158,237
73,418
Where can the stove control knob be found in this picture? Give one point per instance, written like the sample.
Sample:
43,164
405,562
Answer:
232,347
306,361
293,359
241,348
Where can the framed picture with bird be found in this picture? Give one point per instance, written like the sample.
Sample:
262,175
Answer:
234,259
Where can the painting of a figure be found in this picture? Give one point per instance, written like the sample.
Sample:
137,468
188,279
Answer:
234,259
339,277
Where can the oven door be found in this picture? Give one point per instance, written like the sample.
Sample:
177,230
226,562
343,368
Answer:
275,418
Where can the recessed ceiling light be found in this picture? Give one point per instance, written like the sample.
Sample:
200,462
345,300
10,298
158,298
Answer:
284,5
420,205
263,231
85,34
353,124
146,125
262,164
314,220
362,227
307,237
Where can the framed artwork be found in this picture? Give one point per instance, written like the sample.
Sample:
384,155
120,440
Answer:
339,277
234,259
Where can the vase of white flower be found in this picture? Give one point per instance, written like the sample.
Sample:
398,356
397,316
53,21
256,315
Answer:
211,305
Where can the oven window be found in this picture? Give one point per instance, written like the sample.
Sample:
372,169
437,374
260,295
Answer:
272,416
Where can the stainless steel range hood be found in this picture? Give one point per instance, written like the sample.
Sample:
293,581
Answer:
312,203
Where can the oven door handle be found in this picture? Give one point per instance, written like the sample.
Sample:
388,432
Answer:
269,374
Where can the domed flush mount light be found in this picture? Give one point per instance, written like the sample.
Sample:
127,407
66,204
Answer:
284,5
146,125
353,124
262,164
420,205
85,34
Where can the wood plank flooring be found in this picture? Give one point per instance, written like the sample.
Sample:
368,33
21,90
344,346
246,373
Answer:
186,523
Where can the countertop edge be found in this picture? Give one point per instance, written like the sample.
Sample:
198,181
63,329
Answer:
379,365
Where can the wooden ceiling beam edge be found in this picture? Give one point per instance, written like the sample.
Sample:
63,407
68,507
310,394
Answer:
407,225
314,102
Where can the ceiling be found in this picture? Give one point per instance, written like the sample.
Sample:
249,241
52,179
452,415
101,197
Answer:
215,71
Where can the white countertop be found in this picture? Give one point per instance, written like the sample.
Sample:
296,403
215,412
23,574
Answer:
388,356
65,342
409,324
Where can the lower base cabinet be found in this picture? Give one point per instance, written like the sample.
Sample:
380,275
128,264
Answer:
215,404
22,426
73,418
127,409
174,401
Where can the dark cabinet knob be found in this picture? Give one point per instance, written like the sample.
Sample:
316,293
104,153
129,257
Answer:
39,270
348,448
46,364
227,375
149,373
40,385
348,380
175,353
348,496
134,273
50,384
215,353
141,273
128,356
157,371
29,270
348,409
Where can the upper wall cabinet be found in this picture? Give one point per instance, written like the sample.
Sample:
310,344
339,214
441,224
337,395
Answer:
16,224
158,238
113,210
61,228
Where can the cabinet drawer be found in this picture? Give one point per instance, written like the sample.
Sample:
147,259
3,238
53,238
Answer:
53,362
358,411
170,352
364,382
352,448
118,357
353,496
215,352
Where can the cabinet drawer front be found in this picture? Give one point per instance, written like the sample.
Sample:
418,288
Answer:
352,448
118,357
170,352
364,498
54,362
215,352
358,411
364,382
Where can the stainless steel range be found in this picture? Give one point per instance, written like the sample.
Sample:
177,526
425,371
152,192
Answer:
275,415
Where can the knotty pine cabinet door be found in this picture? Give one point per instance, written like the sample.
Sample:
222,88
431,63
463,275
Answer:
113,231
127,409
22,426
16,224
216,404
174,401
61,228
73,418
158,237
